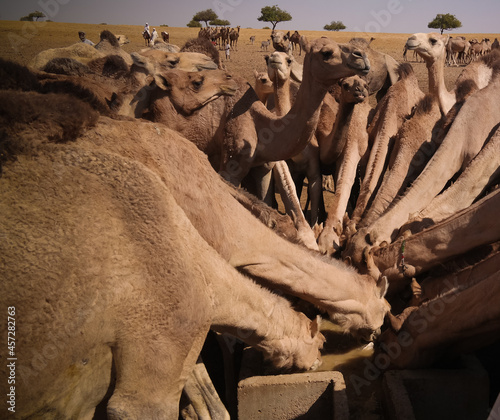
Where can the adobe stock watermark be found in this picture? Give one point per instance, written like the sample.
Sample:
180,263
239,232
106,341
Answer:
221,7
382,18
427,314
31,29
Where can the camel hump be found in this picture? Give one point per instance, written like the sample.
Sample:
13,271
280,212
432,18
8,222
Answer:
110,37
405,70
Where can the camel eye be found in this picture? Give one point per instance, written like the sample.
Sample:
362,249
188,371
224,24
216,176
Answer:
345,86
289,61
327,54
197,84
433,41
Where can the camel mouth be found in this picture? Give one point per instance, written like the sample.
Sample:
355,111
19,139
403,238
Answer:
411,45
359,97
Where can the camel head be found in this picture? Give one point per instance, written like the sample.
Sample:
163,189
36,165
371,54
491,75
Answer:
327,62
431,47
281,66
364,317
354,89
189,91
280,40
263,84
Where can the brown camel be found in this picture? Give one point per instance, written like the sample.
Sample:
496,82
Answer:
349,148
462,143
263,87
127,277
432,48
281,41
390,114
81,52
383,68
436,244
295,41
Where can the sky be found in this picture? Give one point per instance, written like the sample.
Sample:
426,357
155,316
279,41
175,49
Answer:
393,16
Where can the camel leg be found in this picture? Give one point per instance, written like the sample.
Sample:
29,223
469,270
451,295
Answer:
286,187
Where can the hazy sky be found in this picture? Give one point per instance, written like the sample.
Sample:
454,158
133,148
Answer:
397,16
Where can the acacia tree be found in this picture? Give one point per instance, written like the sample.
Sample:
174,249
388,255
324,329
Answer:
334,26
33,17
274,15
194,24
205,16
219,22
445,22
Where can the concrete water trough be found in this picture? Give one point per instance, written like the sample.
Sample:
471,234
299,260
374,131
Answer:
305,396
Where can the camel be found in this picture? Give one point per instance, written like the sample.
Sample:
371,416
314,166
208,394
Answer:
80,51
165,36
187,61
256,136
462,143
383,68
495,44
234,34
457,321
264,45
432,48
454,46
349,147
280,41
414,144
263,87
252,39
436,244
109,45
295,41
203,46
252,134
479,173
128,285
390,114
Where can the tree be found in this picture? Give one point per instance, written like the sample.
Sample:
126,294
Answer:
445,22
334,26
194,24
205,16
274,15
33,17
219,22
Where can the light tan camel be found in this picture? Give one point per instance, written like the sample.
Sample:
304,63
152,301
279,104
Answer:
436,244
471,183
349,146
129,307
432,48
281,68
80,51
186,61
462,143
263,86
390,114
383,68
415,143
135,315
252,134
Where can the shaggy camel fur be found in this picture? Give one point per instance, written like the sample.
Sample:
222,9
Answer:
123,180
455,322
390,114
462,143
81,52
432,48
481,171
349,148
438,243
416,141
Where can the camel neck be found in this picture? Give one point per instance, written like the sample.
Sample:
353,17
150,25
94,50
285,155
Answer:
282,96
283,137
437,86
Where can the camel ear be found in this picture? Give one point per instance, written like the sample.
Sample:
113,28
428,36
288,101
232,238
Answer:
162,82
296,71
306,46
255,73
315,326
383,286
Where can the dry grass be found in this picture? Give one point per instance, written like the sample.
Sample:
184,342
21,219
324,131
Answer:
21,41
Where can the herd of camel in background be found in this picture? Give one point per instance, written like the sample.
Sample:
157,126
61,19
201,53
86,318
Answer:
121,183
